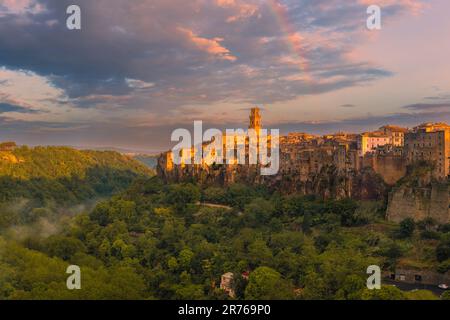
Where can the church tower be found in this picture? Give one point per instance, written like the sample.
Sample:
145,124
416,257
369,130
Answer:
255,120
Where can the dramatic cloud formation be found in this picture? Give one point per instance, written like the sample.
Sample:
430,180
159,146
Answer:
146,64
285,50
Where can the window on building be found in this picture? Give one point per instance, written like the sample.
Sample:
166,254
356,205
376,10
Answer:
418,277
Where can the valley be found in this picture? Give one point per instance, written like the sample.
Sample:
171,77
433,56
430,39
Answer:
142,238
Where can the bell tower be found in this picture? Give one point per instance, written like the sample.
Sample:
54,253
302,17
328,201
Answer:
255,120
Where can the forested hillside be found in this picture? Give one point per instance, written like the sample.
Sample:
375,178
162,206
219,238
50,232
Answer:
61,162
158,241
42,181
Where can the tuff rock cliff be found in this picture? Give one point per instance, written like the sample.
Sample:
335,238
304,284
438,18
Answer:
419,196
329,182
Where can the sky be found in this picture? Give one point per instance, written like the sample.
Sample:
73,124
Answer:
139,69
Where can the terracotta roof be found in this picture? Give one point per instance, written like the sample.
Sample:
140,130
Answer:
377,134
394,128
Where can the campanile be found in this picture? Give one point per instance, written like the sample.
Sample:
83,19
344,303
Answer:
255,120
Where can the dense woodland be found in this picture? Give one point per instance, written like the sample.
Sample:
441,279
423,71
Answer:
156,241
43,182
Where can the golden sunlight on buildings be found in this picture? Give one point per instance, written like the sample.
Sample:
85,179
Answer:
430,142
388,151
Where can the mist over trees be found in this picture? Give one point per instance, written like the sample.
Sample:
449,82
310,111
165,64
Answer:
143,239
45,182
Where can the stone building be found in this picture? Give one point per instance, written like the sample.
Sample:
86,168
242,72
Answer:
304,158
214,153
337,166
8,146
430,142
397,135
227,284
413,276
368,142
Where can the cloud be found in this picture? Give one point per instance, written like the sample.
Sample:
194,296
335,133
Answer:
428,106
139,84
188,49
366,123
141,64
155,135
441,96
239,9
6,107
210,46
20,7
29,91
348,105
415,6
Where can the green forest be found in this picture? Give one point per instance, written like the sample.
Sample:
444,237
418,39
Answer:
46,182
135,237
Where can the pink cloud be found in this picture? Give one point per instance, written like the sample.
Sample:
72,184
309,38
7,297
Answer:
16,5
210,46
241,10
22,6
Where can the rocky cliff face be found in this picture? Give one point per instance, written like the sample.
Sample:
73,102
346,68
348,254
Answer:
420,197
329,182
332,183
416,195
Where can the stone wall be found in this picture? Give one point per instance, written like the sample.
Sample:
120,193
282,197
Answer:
328,182
390,168
421,276
420,199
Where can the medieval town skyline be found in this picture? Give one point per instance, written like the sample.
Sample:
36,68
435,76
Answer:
132,75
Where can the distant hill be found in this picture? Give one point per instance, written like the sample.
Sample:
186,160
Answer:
150,161
129,151
56,162
64,174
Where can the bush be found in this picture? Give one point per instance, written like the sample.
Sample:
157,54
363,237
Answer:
180,195
444,266
392,251
267,284
430,235
420,295
426,224
443,251
386,293
406,228
214,195
444,228
445,296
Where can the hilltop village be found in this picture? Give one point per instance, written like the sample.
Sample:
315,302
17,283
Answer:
408,167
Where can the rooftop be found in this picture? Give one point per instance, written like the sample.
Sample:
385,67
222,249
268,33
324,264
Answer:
376,134
394,128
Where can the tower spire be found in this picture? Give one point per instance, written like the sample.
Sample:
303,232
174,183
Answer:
255,119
